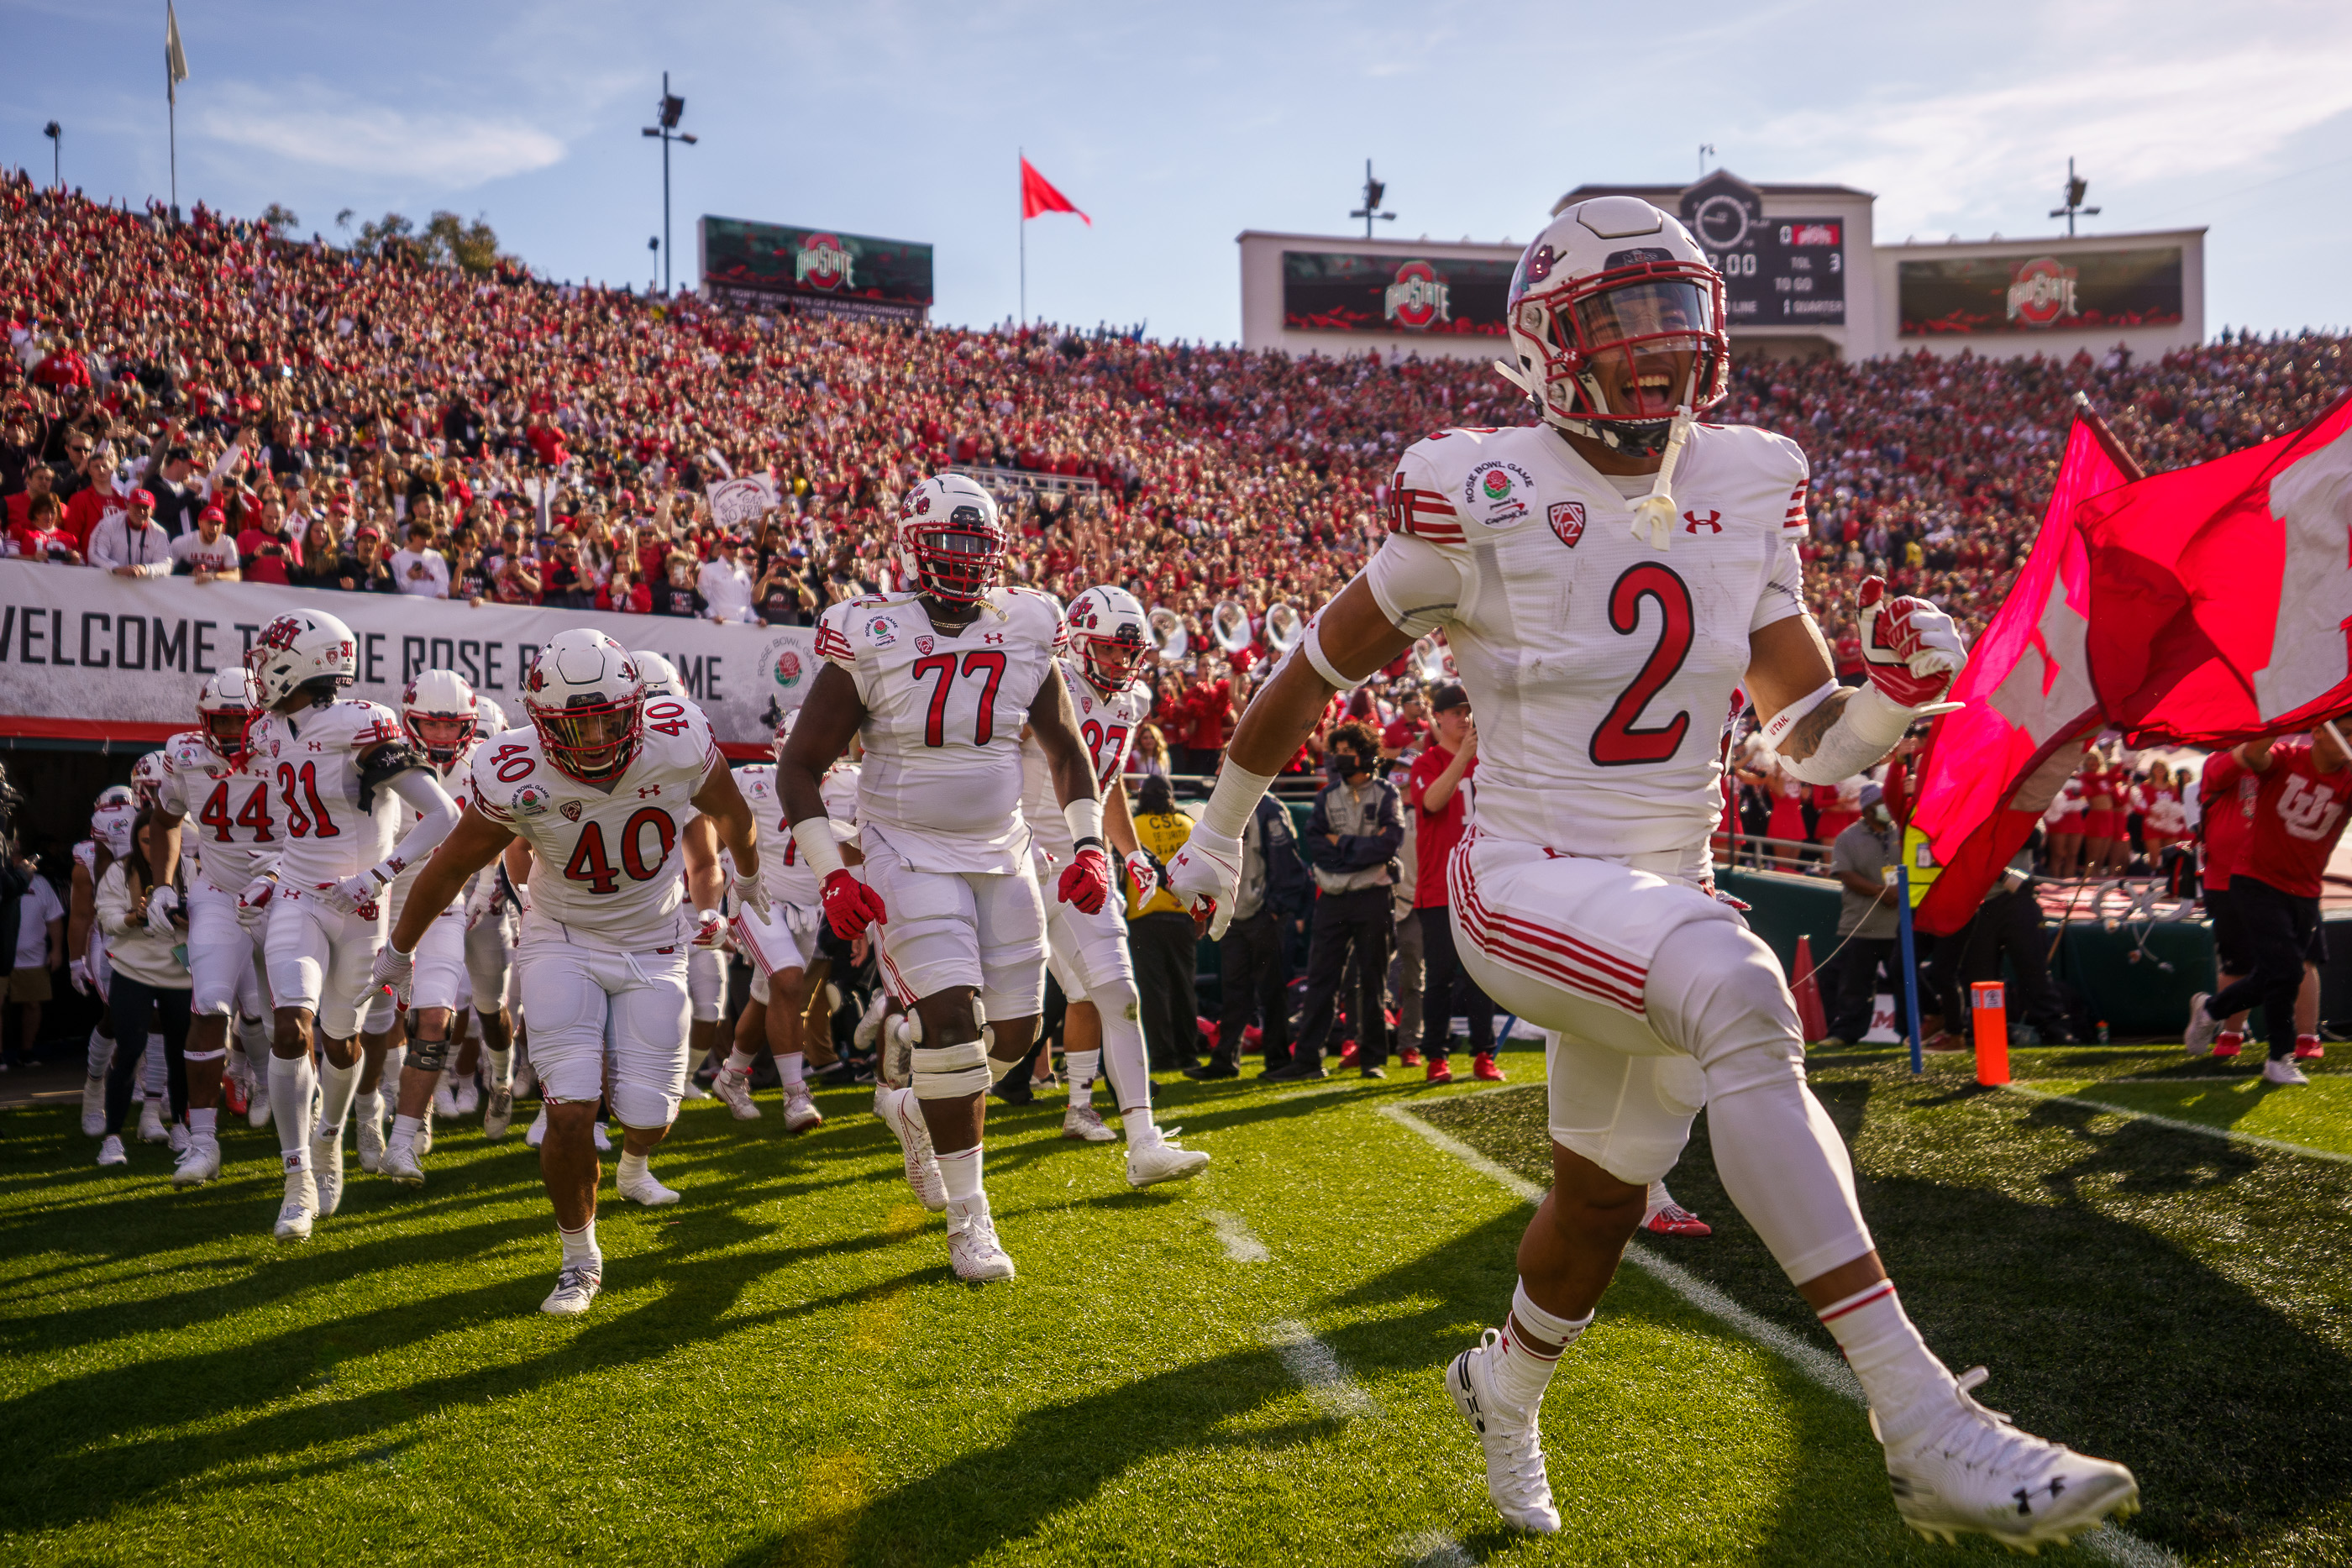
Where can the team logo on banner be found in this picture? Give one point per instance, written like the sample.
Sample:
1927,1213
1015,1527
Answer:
1419,297
822,263
2041,292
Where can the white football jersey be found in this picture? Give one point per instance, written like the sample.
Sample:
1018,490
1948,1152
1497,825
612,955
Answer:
788,877
1599,666
232,820
607,861
1108,726
312,759
458,780
941,780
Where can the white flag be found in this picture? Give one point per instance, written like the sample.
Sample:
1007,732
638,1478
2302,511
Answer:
176,60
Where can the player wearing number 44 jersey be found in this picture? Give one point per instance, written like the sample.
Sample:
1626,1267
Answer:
600,788
1605,578
339,769
938,682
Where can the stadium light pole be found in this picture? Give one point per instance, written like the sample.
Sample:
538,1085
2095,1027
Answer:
55,133
1373,191
2076,189
673,109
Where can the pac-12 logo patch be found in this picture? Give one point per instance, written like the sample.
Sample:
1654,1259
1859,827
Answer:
1567,521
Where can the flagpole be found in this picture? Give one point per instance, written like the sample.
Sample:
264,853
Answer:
1023,153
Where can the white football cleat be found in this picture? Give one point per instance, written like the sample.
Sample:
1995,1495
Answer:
1085,1123
301,1203
1965,1468
536,1133
93,1107
900,1111
801,1114
643,1188
257,1104
402,1163
179,1138
973,1245
1513,1444
150,1122
469,1097
2279,1070
370,1138
1155,1160
327,1174
734,1090
498,1114
575,1287
110,1151
445,1097
2198,1037
425,1134
201,1163
604,1139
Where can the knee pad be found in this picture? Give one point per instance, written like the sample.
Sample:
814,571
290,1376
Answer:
428,1055
1717,993
950,1071
1629,1114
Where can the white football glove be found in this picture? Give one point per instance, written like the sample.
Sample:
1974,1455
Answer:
353,895
1207,874
79,973
161,902
478,903
752,894
252,904
1911,650
1143,873
710,927
395,971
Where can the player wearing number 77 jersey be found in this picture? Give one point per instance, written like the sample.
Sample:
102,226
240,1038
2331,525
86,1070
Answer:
600,788
938,682
1605,577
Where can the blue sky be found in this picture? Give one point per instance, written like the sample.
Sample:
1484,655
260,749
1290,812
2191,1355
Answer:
1177,127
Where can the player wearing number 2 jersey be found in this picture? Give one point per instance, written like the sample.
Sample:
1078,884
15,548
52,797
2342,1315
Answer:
600,788
1087,952
1605,578
936,683
210,775
339,769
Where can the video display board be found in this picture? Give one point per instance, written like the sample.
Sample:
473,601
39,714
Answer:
856,273
1777,272
2050,291
1349,291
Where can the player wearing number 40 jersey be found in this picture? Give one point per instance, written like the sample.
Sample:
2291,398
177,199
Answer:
212,778
601,788
938,682
1605,578
339,769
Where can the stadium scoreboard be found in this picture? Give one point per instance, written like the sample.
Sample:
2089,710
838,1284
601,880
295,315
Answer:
1777,271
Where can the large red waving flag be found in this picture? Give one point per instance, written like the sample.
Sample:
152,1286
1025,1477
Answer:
2220,596
1038,196
1995,765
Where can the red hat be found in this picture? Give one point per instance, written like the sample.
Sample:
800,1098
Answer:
212,515
141,498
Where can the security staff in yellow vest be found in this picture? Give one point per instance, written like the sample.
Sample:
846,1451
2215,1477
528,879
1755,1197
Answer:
1160,936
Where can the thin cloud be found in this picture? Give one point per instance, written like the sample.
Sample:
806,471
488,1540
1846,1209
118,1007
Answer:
314,125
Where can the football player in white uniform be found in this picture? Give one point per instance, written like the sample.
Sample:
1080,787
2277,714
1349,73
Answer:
937,681
341,768
211,775
1605,578
109,841
1087,952
442,716
783,947
600,787
492,922
706,964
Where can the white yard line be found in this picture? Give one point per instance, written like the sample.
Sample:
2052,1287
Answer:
1829,1371
1434,1549
1241,1243
2175,1124
1318,1370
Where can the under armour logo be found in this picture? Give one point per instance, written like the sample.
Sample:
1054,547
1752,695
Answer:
645,790
1692,522
994,637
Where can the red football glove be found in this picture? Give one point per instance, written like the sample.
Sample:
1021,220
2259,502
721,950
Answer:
1910,649
850,906
1085,880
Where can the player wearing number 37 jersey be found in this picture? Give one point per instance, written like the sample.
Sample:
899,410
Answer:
1605,578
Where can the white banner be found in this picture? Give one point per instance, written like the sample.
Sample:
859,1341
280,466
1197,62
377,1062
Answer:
86,654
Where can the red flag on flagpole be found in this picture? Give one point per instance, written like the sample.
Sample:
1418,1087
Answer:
1038,196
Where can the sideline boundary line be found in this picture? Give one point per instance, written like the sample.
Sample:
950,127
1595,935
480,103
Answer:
1830,1372
2277,1145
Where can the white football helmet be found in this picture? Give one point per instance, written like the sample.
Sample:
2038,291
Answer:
297,649
587,702
1110,636
660,676
951,542
493,720
111,818
1616,320
147,778
226,710
441,696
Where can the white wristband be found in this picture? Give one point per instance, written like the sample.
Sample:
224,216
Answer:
819,851
1777,728
1312,646
1232,798
1085,818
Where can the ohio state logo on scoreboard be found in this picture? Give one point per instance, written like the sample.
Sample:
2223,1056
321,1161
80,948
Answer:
2041,292
822,262
1418,298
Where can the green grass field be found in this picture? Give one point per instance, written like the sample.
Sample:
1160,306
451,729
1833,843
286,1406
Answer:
782,1371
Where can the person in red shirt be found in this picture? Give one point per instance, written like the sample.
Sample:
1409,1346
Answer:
38,537
1408,729
2302,792
1437,793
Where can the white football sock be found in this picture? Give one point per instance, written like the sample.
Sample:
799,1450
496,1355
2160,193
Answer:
339,1087
740,1059
102,1054
1659,1201
1083,1067
253,1038
580,1246
155,1081
632,1166
204,1121
501,1067
1131,1062
404,1129
388,1084
290,1084
792,1066
960,1173
1521,1373
1883,1346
